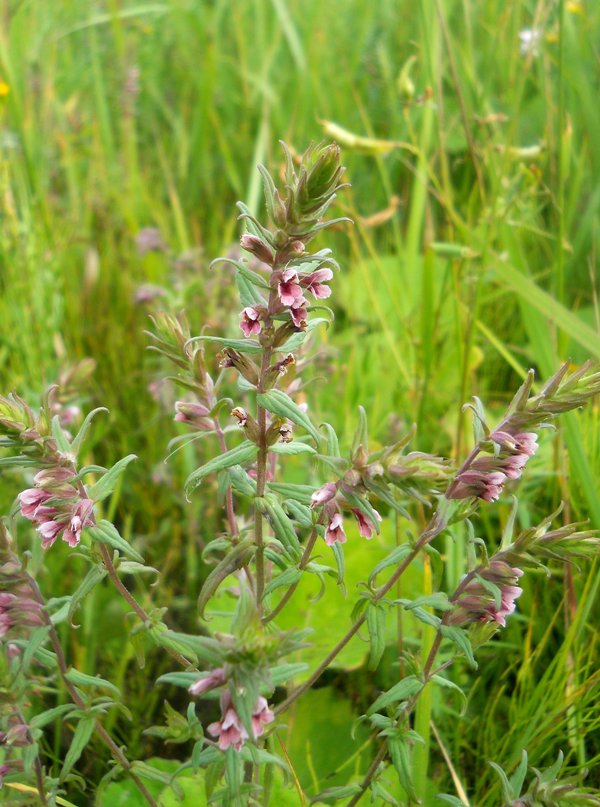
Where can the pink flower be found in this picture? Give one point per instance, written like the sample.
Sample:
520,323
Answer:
31,499
215,678
261,716
366,527
314,283
290,290
229,729
486,486
299,316
194,414
522,443
477,604
323,494
82,517
250,321
513,466
335,531
50,530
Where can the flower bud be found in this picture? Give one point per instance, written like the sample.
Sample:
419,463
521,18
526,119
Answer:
255,245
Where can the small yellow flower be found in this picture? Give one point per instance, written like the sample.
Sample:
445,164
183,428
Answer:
4,89
574,7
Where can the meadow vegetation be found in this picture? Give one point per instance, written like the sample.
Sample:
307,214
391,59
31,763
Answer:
128,130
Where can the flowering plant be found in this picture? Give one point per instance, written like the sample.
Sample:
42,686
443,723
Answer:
277,532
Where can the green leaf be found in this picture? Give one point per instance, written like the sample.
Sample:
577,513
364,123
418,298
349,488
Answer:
507,790
95,574
241,345
293,448
448,684
209,651
333,446
376,615
249,295
287,578
34,644
85,680
281,525
239,556
395,557
361,436
400,754
278,403
79,439
41,720
105,486
518,777
341,792
401,691
235,456
106,532
300,493
81,737
283,672
59,435
338,554
461,640
243,269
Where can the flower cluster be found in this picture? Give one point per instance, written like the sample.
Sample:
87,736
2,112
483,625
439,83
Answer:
488,596
231,731
484,478
56,506
18,608
331,498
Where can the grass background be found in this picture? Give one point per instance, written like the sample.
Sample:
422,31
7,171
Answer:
473,257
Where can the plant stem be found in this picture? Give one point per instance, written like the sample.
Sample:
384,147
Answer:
63,669
304,560
434,527
380,756
133,603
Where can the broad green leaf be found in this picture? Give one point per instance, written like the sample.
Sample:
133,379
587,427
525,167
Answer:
278,403
235,456
105,486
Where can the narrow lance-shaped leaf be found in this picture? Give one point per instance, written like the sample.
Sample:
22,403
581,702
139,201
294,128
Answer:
461,640
278,403
107,533
376,626
235,456
81,738
89,582
239,556
105,486
79,439
281,525
404,689
400,754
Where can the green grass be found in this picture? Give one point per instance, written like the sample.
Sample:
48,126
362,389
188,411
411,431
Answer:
485,266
